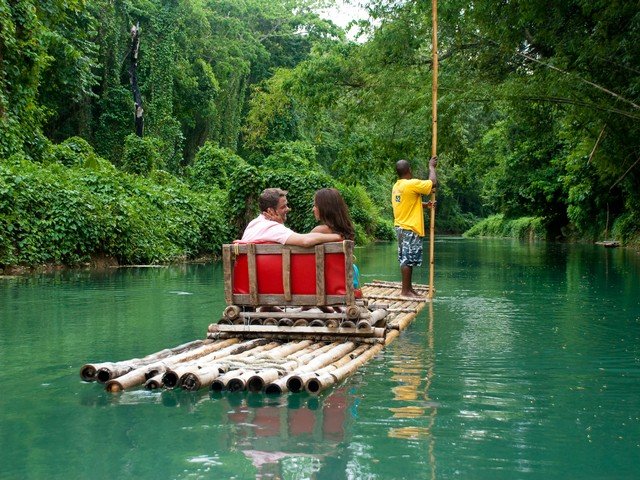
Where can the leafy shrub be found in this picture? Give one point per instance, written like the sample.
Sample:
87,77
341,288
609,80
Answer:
497,226
73,152
141,155
291,155
627,228
53,214
212,167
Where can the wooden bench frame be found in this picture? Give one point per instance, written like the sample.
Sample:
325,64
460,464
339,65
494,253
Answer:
256,299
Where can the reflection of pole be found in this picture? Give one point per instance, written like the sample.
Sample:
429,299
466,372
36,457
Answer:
431,358
434,138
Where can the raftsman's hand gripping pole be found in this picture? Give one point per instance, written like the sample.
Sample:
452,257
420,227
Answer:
434,138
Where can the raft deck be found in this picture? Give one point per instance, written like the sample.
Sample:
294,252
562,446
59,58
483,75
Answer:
258,352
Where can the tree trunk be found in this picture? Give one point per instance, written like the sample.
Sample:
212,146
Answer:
133,76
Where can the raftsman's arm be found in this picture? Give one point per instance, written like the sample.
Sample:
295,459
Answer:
311,239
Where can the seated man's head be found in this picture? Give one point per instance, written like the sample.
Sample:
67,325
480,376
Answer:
273,201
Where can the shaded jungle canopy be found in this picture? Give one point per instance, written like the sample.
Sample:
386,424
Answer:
539,106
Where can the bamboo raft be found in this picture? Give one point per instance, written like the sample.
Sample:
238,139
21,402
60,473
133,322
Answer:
303,341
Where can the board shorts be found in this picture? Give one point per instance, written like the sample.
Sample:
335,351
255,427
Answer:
409,248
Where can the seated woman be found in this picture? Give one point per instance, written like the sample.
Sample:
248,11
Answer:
332,213
330,209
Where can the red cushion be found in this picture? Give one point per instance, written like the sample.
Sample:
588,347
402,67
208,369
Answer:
303,274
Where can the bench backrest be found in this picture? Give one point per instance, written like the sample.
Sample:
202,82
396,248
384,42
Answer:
274,274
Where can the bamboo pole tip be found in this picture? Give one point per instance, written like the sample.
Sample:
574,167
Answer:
273,389
113,387
88,373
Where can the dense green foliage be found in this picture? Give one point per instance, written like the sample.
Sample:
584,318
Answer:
525,228
52,213
539,118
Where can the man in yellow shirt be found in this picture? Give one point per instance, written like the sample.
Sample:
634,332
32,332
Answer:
406,199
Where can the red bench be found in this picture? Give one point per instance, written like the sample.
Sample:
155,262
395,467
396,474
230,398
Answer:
283,275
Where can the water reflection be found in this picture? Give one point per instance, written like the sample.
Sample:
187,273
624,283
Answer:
274,433
408,373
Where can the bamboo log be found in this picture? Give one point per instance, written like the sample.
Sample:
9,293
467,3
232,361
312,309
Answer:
364,326
231,312
204,371
342,331
306,377
143,373
287,337
353,312
319,384
154,382
256,382
238,383
221,383
332,323
398,297
403,322
191,381
303,378
285,322
295,384
398,285
89,371
279,386
294,314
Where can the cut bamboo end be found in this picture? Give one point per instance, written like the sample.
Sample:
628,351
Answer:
88,373
113,386
274,389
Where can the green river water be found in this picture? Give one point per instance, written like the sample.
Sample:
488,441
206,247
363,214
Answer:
526,366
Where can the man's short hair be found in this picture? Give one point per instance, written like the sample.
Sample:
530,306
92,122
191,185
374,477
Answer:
270,197
403,167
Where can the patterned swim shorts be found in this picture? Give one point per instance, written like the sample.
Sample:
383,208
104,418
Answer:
409,248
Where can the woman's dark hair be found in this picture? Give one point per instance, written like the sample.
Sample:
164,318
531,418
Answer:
334,213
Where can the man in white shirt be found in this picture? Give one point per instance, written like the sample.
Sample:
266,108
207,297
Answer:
269,225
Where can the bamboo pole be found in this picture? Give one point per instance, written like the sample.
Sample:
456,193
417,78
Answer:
222,382
321,383
288,337
289,351
108,370
141,374
434,139
279,386
154,382
264,377
309,331
296,384
203,372
310,376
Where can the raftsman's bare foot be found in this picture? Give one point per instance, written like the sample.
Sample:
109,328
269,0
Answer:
410,293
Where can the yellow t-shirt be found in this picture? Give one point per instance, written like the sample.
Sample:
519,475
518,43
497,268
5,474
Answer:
406,199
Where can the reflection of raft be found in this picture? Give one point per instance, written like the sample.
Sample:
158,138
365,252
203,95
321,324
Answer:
293,347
